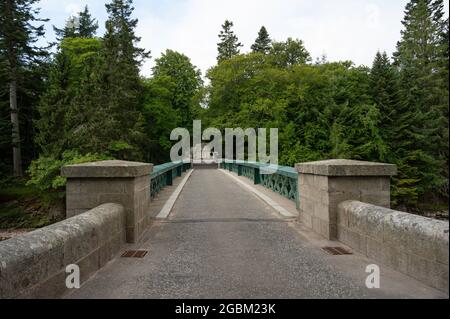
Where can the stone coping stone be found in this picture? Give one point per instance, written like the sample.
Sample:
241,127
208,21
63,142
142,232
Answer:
343,167
107,169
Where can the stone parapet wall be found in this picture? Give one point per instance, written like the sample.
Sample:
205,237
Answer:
34,265
323,185
414,245
126,183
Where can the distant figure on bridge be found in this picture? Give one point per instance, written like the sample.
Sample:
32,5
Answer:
201,154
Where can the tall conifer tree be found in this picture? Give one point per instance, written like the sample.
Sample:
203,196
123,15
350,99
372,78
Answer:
262,42
113,91
18,50
421,56
229,44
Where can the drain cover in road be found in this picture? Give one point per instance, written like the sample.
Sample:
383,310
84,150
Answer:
134,254
336,251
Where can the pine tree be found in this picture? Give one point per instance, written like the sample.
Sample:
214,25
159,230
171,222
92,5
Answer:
395,123
71,66
262,42
87,26
18,37
229,44
420,55
51,136
81,26
112,92
69,30
385,90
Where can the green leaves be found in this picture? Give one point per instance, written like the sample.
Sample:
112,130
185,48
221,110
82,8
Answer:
45,171
289,53
185,79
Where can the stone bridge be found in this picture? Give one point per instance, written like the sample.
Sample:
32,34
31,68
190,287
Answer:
230,230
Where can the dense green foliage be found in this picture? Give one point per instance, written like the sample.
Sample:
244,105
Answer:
19,57
391,113
89,101
172,99
46,171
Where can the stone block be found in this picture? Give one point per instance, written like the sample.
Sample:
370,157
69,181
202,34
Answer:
306,206
124,199
395,258
131,234
33,265
357,184
52,288
343,167
414,245
108,169
441,247
89,265
125,183
73,186
324,185
321,183
306,219
354,240
78,201
342,215
410,233
322,211
74,212
374,249
306,179
104,185
316,225
374,226
327,230
141,183
342,234
379,198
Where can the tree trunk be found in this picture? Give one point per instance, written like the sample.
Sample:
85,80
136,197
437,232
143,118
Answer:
17,153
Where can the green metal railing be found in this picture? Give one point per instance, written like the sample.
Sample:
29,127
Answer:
280,179
164,174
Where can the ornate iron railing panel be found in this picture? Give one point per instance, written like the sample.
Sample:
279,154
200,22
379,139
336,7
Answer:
248,172
281,184
280,179
164,174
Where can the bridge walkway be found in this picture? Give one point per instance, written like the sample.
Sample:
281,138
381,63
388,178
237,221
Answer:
221,241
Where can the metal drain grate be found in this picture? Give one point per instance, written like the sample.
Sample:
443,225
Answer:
337,251
134,254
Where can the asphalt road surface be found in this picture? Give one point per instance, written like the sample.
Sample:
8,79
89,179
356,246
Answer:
220,241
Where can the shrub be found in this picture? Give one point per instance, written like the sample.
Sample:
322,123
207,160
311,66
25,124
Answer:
45,172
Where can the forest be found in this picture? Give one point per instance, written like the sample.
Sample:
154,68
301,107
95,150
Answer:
83,98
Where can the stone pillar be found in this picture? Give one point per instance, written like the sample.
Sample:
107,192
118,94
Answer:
323,185
128,183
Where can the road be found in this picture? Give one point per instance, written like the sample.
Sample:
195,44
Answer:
220,241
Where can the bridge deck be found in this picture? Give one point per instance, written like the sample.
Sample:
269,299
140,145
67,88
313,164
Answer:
221,241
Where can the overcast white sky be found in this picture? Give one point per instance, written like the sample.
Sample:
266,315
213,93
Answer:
342,30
